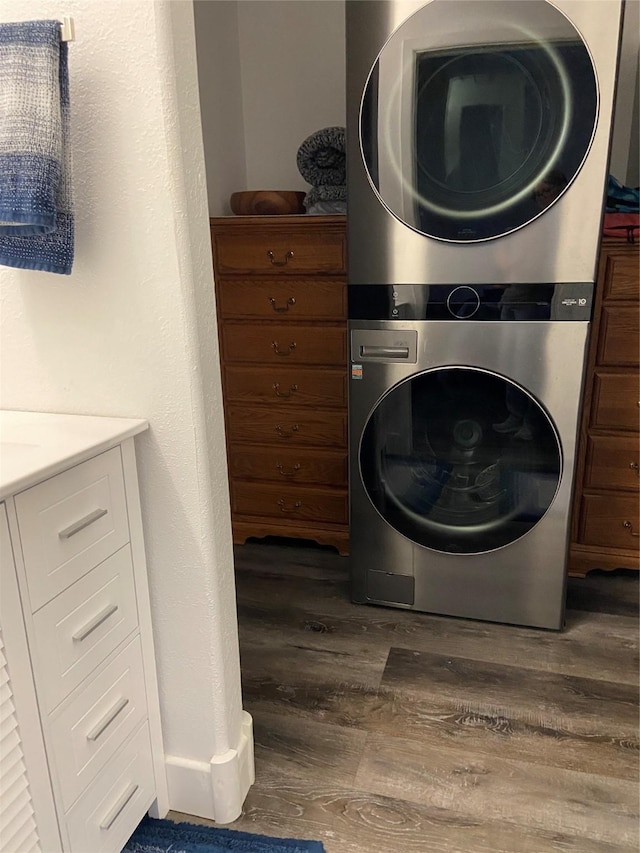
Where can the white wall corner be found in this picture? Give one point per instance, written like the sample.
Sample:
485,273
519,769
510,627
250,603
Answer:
216,789
624,141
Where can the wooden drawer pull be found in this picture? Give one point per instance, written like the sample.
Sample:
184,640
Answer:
94,623
290,301
287,258
285,508
77,526
283,433
111,816
284,394
629,527
291,473
106,721
288,351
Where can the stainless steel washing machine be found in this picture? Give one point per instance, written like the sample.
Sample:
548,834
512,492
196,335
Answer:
477,143
463,420
477,138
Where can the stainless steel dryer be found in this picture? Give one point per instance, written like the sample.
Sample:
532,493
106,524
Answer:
463,420
477,144
478,135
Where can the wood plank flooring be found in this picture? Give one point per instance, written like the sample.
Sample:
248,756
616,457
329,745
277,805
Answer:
388,731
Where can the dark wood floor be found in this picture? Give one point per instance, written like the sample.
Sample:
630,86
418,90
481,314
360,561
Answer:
380,730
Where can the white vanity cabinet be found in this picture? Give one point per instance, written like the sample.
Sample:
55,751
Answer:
81,756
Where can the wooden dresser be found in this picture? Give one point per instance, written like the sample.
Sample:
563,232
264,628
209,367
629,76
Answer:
282,323
605,526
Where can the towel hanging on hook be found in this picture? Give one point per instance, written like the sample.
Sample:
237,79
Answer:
36,209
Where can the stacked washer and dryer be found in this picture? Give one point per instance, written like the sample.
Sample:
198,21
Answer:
477,150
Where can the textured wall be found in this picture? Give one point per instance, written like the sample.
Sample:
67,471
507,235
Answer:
624,143
271,73
292,56
219,73
122,336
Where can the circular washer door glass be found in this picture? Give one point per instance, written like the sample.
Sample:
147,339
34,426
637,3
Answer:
460,460
477,115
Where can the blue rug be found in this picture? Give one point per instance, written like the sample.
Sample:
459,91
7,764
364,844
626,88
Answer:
164,836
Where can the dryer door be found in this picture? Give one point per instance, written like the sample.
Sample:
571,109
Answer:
460,460
477,115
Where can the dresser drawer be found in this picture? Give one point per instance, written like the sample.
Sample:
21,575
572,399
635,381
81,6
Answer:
283,299
273,344
280,252
615,401
88,729
612,462
303,428
619,336
70,523
78,629
286,386
297,503
610,521
105,816
289,465
621,276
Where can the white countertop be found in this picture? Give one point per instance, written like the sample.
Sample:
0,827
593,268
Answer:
36,445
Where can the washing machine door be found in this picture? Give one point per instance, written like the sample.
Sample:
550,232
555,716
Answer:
477,115
460,460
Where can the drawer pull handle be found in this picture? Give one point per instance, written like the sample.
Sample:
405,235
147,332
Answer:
629,527
634,467
290,301
94,623
284,394
275,263
111,816
77,526
283,433
285,508
290,348
291,473
108,718
384,352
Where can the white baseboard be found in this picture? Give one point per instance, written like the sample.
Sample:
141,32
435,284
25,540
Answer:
215,789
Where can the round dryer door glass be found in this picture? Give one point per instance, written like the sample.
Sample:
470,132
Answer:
477,115
460,460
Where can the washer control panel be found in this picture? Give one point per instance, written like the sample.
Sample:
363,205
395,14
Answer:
559,301
463,302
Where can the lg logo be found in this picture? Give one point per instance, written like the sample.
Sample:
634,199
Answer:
582,301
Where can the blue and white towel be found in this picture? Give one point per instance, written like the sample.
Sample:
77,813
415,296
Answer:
36,207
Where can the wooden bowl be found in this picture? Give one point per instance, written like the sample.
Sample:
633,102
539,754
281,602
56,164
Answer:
267,202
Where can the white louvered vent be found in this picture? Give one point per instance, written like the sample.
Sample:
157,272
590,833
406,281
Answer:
18,832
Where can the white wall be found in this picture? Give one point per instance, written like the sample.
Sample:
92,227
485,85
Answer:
122,336
624,141
291,83
219,73
633,169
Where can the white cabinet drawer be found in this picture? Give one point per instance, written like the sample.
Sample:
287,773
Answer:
110,809
70,523
87,730
76,631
